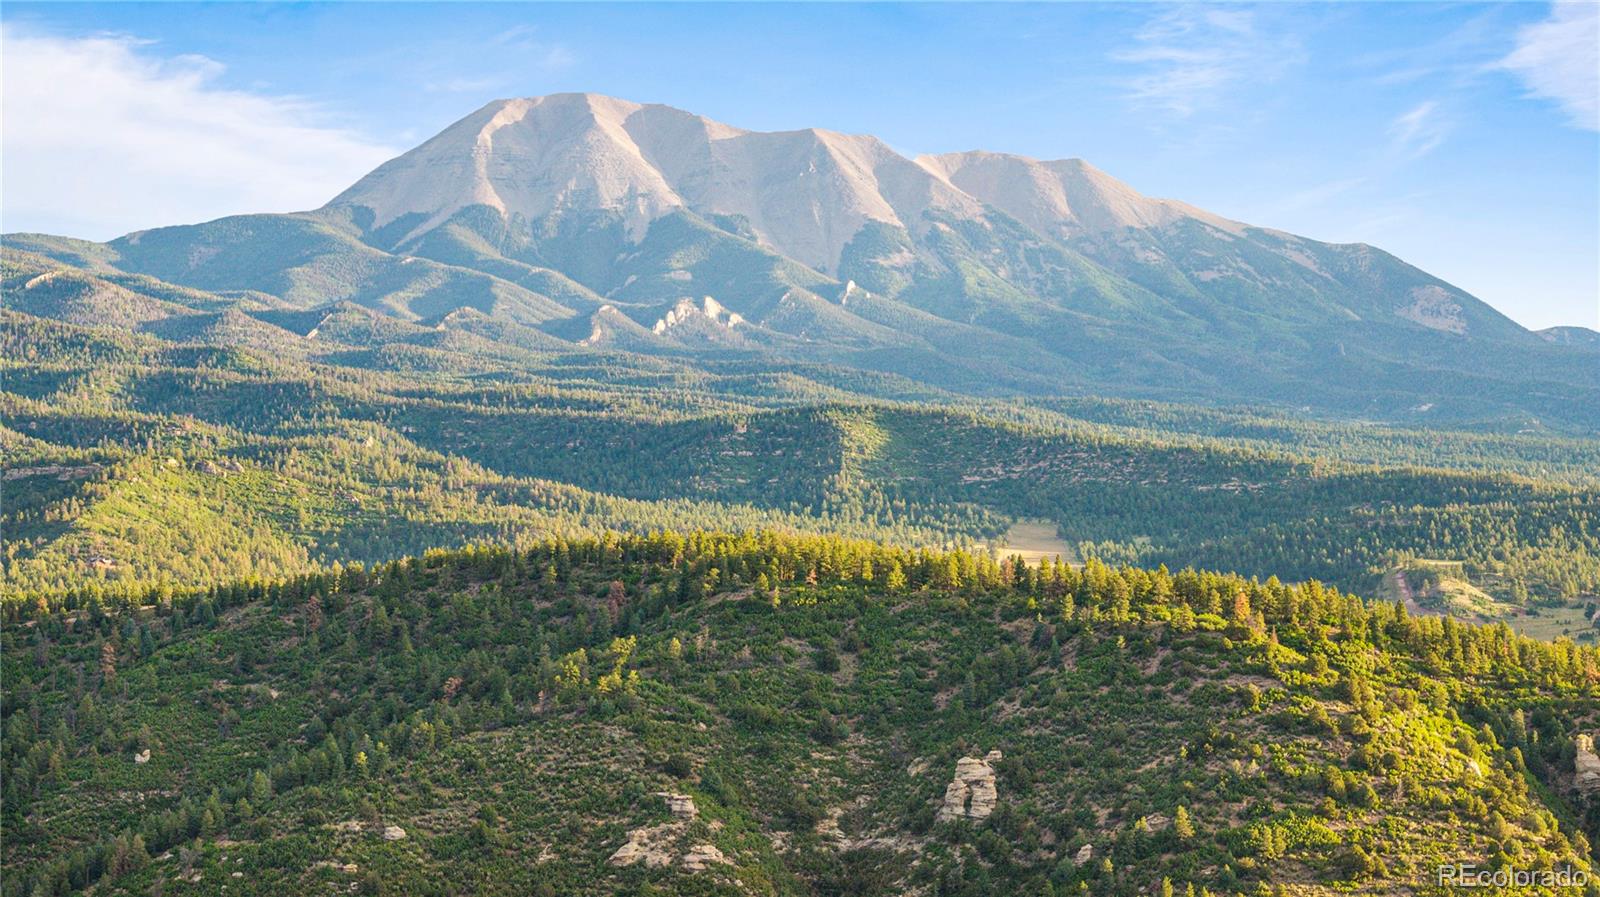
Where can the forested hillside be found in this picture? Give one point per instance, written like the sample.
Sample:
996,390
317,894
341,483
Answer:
135,461
822,716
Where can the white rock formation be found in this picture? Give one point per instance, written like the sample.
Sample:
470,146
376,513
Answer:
681,806
702,856
645,845
657,846
971,794
142,757
1586,766
708,309
1084,855
393,833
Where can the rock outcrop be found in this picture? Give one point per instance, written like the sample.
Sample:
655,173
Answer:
681,806
393,833
971,794
702,856
1586,766
650,846
657,846
59,471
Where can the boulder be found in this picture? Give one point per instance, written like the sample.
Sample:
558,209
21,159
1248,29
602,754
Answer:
1084,855
142,757
393,833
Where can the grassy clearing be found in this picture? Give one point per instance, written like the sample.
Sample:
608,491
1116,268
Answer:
1550,623
1034,540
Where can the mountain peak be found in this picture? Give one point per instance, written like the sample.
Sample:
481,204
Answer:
1064,196
805,193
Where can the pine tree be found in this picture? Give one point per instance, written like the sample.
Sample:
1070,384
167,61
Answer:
1181,826
260,787
896,580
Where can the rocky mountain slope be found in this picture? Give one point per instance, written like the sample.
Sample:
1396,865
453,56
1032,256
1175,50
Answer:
572,215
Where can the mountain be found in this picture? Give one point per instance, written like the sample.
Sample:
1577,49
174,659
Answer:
805,194
1572,336
977,273
702,713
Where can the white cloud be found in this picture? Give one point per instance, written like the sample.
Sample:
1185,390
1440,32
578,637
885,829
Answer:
101,136
1559,59
1192,55
1418,132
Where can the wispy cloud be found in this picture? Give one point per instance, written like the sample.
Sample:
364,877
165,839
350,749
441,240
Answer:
1559,59
465,85
1192,56
507,58
1317,195
544,54
1418,131
1454,59
103,136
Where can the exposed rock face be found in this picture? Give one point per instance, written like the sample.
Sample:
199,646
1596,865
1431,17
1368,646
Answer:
651,846
393,833
58,471
1084,855
708,310
142,757
972,794
1067,196
680,805
701,856
804,193
1586,766
1433,307
657,846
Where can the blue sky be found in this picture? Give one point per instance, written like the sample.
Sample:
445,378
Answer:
1462,137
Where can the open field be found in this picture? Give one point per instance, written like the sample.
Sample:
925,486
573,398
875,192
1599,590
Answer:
1035,539
1550,623
1458,598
